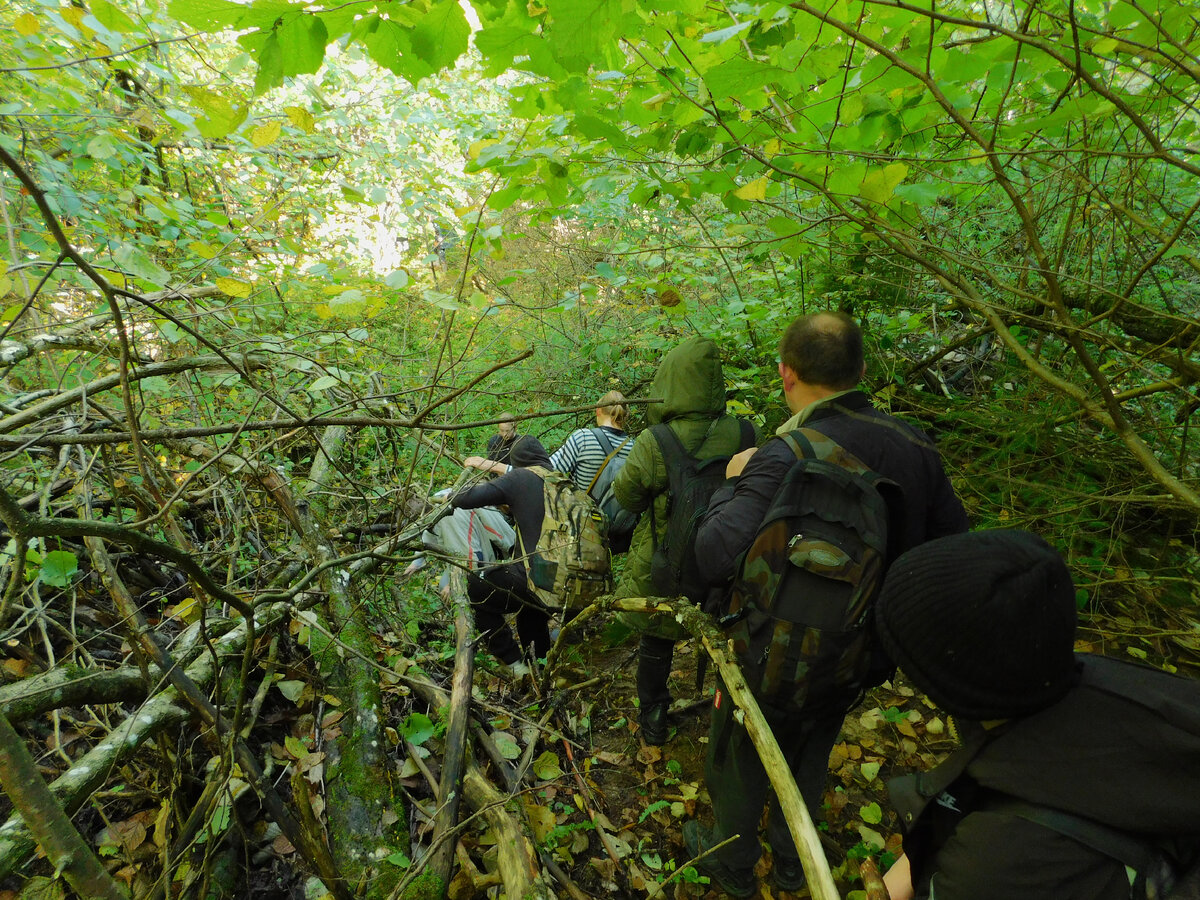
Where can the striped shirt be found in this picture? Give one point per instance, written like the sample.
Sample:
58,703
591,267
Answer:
582,454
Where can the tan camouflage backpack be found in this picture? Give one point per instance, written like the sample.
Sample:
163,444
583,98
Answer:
801,604
570,566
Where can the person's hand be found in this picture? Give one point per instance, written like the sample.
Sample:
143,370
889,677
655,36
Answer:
738,462
477,462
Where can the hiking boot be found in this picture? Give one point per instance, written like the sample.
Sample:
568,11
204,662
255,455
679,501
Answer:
788,874
734,882
653,719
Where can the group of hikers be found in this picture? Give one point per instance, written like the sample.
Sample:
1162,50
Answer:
831,554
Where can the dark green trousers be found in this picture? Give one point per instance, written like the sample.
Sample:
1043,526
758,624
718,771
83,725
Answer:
740,789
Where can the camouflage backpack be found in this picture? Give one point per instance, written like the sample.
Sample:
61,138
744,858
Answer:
801,605
570,565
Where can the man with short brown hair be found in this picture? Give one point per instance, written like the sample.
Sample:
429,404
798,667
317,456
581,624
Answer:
821,363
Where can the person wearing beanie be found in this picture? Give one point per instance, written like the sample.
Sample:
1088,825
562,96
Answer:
1075,770
821,364
504,589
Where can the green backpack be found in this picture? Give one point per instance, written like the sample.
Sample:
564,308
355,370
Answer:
800,613
570,566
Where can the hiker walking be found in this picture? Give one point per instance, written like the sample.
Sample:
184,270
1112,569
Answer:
593,457
1078,777
560,561
899,479
691,384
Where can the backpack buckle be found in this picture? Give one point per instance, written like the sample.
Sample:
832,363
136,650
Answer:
728,620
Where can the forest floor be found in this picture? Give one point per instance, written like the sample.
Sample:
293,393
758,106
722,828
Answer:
603,806
641,795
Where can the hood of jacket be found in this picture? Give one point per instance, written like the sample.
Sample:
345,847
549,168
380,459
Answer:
689,381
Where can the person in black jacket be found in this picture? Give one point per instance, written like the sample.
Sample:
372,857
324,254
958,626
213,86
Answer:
505,588
821,363
1072,767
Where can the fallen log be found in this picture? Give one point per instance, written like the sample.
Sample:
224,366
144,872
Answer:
70,685
358,783
160,713
453,757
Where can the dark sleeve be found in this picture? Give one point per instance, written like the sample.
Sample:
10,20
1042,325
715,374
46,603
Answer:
488,493
736,511
946,514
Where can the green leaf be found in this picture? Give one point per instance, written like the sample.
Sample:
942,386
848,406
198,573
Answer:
506,745
397,280
652,809
722,35
221,116
102,146
417,728
581,31
871,837
349,303
270,65
546,767
27,25
756,190
136,262
302,42
39,887
387,43
58,568
879,184
399,859
112,18
442,35
233,287
293,690
869,771
207,15
921,193
871,814
301,118
266,134
324,383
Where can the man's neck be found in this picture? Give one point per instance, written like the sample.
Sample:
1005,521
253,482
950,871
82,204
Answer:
802,395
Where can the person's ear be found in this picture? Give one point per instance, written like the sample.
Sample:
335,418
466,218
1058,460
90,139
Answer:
788,375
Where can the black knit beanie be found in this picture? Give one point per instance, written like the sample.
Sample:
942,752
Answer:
983,622
528,451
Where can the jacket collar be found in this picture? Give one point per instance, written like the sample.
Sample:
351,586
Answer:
853,399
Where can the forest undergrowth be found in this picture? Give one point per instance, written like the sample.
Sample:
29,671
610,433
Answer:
601,807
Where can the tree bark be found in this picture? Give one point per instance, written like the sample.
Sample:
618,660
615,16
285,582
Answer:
47,821
358,782
449,790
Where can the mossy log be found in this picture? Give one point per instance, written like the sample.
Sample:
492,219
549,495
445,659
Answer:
358,779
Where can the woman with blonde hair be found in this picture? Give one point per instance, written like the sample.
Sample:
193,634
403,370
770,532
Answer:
594,456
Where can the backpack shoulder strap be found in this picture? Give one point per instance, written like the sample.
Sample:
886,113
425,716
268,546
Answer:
602,440
747,434
1119,845
672,448
604,465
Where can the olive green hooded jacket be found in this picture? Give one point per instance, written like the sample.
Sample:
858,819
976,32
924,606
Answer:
691,384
